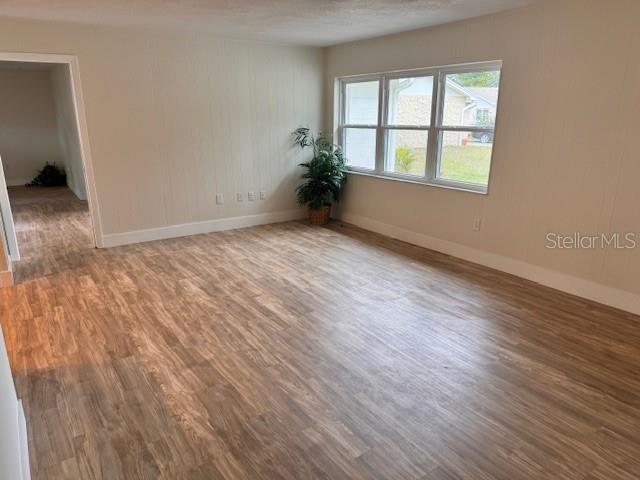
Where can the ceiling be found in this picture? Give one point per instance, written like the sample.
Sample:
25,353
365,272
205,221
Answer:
306,22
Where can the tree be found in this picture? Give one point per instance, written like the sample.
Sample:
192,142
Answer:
478,79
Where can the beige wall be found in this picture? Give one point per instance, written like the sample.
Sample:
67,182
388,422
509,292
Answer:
174,119
566,155
68,129
28,132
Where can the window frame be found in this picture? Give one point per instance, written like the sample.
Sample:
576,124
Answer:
343,114
435,129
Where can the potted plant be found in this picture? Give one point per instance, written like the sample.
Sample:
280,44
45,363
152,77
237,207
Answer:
324,178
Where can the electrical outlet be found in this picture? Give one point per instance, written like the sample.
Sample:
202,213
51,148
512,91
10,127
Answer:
477,224
251,196
263,194
240,197
219,198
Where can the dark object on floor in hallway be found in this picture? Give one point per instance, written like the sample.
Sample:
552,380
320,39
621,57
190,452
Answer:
51,175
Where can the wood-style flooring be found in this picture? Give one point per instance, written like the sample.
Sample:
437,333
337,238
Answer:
292,352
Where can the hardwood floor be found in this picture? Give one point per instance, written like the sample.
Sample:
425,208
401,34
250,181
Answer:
292,352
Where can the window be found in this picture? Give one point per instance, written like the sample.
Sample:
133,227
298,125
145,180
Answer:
483,116
434,126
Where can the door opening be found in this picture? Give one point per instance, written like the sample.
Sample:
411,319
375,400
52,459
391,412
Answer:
43,137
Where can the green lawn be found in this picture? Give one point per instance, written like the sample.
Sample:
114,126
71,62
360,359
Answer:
468,164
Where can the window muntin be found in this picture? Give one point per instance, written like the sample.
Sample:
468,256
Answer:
359,122
407,116
435,126
406,151
466,104
463,159
466,125
360,147
361,103
409,101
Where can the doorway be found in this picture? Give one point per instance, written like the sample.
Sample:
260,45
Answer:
43,131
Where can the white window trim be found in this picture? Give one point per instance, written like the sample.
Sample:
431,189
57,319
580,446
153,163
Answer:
435,127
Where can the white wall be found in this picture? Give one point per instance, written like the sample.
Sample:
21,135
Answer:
28,132
10,445
175,118
67,129
566,154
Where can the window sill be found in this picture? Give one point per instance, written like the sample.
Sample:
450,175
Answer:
478,190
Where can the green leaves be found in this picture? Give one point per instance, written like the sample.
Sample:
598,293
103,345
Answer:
303,137
405,158
478,79
325,174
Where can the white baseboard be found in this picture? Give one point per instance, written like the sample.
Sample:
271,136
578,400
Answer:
20,182
208,226
24,443
560,281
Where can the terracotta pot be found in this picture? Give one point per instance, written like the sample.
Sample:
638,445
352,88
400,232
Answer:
320,216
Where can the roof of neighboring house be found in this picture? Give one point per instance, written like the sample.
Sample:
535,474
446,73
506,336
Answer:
488,94
485,94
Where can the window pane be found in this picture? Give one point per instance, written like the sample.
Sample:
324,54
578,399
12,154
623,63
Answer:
466,157
471,99
410,101
360,147
361,103
406,151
